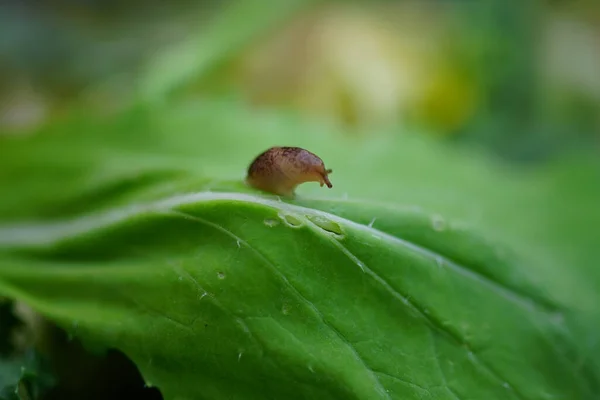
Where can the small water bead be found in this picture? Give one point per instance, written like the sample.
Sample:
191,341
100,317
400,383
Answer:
438,223
271,222
327,225
291,220
221,275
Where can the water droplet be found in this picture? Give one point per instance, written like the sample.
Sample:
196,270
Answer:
361,265
438,223
240,355
271,222
372,222
203,295
243,325
505,385
220,275
439,261
311,369
239,244
285,309
326,224
148,384
291,220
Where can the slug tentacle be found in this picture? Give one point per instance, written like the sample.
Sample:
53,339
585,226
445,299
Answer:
279,170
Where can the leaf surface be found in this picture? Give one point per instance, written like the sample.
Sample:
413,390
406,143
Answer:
148,242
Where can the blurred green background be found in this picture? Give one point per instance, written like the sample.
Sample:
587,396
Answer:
519,78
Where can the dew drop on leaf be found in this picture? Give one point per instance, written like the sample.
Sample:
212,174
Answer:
327,225
438,223
220,275
270,222
291,220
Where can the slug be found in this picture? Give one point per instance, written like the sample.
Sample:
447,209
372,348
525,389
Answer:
279,170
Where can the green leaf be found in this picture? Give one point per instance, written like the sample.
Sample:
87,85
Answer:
146,240
362,314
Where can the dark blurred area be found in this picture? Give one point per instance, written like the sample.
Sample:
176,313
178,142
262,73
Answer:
519,77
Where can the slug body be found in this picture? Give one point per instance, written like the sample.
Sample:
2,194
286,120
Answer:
280,169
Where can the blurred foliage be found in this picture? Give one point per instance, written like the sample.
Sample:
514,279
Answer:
26,378
24,372
8,321
488,72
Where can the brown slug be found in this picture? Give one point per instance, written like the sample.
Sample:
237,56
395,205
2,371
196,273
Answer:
280,169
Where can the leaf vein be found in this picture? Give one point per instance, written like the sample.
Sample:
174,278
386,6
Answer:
432,323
